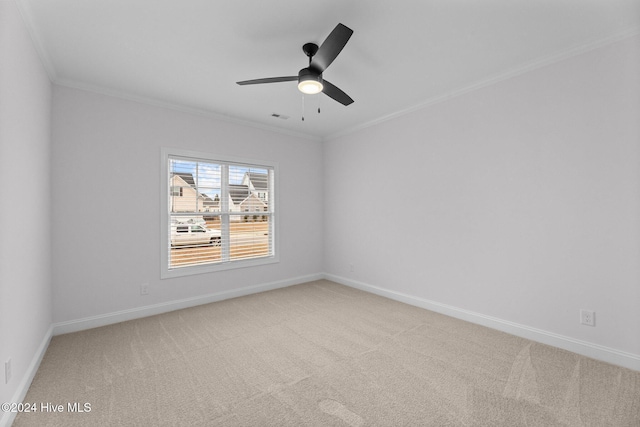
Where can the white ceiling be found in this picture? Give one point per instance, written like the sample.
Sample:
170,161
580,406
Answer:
403,54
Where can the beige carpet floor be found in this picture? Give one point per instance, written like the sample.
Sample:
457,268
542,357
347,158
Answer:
321,354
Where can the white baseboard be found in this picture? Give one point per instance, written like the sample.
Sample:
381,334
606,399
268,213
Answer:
21,392
584,348
151,310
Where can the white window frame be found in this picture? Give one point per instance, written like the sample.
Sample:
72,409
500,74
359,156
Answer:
165,217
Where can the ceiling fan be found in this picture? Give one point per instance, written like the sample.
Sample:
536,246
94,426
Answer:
310,79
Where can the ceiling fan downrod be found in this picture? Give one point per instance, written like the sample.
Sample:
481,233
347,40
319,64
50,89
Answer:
310,49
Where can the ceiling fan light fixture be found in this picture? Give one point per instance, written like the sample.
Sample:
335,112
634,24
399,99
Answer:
309,82
310,87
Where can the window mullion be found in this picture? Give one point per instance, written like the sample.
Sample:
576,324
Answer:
197,186
224,212
271,208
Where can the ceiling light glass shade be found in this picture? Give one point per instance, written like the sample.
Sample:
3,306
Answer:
310,87
309,81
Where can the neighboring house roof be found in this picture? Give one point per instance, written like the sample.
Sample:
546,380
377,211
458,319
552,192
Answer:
186,177
258,180
208,201
238,192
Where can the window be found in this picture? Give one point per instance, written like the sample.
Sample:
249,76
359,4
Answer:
204,225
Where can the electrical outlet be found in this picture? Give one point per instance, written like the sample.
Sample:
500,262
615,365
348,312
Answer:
588,317
7,371
144,289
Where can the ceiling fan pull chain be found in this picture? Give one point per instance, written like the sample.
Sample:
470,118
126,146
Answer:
319,97
303,108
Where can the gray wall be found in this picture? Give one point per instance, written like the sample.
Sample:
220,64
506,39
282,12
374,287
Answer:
106,202
519,201
25,243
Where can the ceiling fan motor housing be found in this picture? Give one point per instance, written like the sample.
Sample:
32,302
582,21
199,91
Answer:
309,74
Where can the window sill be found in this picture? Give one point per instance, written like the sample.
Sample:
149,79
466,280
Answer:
212,268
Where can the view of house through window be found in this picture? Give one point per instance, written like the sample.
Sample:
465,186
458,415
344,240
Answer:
219,212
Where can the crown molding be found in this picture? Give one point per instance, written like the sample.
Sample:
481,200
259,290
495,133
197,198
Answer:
99,90
497,78
25,13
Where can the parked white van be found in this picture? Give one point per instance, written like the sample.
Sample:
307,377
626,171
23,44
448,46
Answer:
189,220
193,234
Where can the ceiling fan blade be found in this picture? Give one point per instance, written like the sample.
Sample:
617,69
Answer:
268,80
333,91
331,47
